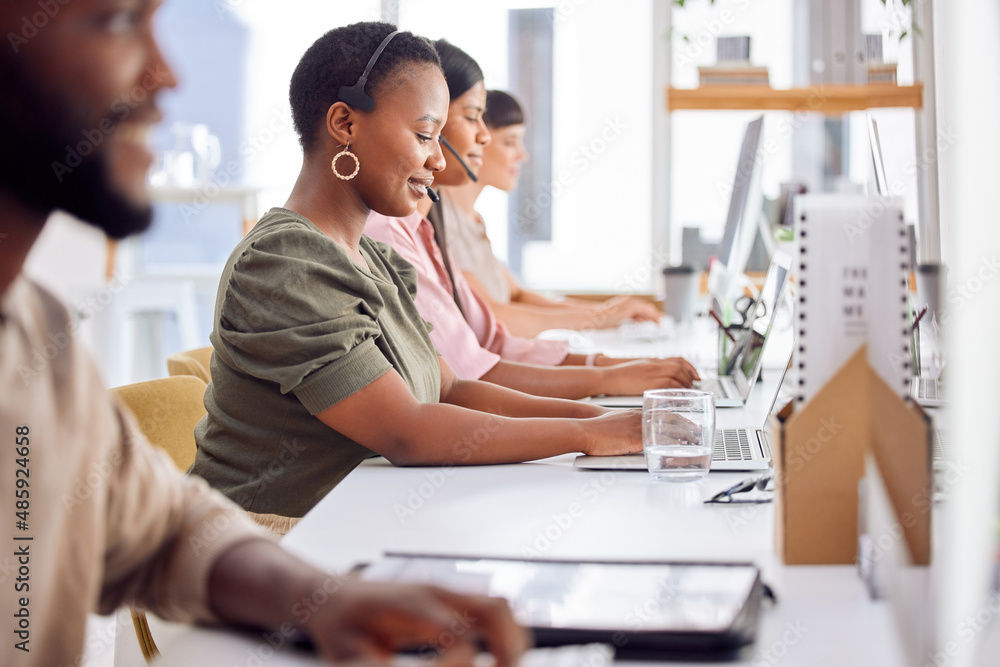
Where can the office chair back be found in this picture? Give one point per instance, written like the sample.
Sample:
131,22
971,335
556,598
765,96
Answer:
167,410
197,362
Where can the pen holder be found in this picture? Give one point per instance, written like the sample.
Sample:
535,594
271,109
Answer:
730,338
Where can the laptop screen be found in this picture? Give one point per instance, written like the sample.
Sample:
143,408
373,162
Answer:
762,317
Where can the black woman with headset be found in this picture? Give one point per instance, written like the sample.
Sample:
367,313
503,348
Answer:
321,359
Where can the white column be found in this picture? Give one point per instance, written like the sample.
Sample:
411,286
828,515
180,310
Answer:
969,59
925,120
661,231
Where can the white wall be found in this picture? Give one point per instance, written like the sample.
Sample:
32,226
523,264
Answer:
280,34
706,145
69,259
601,149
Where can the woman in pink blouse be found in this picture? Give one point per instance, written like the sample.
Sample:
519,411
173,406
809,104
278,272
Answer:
466,331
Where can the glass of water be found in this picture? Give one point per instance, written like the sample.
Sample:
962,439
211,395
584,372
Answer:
678,432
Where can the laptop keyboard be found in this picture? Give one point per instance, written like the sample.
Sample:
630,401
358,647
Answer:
929,389
714,386
711,385
732,444
940,447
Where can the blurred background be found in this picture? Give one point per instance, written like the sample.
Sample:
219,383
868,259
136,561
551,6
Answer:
603,204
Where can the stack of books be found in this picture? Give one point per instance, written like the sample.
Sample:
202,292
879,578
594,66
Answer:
733,74
879,71
884,73
733,66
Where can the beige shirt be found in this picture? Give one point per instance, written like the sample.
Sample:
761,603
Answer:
91,516
472,250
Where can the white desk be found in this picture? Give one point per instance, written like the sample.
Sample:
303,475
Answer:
823,616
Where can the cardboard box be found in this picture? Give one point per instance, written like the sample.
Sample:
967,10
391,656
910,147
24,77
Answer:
819,454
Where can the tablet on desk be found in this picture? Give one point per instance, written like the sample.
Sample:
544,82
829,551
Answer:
644,609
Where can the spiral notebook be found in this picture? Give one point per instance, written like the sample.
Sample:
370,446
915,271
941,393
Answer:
851,270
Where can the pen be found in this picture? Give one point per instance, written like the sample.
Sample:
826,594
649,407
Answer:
716,318
916,320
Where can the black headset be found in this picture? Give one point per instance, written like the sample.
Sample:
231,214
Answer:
357,97
444,142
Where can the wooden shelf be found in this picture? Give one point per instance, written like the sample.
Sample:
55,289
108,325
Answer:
825,98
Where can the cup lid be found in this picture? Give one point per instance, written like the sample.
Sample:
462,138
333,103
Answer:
679,269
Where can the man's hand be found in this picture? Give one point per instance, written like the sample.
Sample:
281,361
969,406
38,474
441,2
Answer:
258,584
373,621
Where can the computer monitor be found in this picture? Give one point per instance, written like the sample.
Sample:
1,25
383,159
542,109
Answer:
878,166
745,209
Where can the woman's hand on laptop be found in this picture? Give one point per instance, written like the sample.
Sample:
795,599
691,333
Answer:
614,433
624,307
672,428
635,377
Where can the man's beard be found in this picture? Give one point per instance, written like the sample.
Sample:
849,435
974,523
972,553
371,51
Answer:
36,127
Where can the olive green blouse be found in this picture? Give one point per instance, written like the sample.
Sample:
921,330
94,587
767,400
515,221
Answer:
300,326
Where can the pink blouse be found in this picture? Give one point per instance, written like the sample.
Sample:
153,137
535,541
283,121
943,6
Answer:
470,347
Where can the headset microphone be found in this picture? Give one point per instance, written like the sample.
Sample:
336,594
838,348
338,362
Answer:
433,196
460,160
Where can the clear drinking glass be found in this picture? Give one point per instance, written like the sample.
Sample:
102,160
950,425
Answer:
678,432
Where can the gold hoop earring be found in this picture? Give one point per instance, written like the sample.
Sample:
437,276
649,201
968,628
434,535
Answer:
346,152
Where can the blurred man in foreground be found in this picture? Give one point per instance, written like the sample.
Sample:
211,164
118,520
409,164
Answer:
94,516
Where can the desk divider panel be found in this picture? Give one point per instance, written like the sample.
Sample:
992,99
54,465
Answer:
819,453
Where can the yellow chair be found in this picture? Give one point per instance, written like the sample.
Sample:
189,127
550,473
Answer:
167,410
196,362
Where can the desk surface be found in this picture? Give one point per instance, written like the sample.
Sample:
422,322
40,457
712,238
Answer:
549,509
552,510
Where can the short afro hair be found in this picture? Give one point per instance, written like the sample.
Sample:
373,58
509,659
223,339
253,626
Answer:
502,110
460,69
339,58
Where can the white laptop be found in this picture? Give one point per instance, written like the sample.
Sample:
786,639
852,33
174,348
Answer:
735,449
732,391
927,391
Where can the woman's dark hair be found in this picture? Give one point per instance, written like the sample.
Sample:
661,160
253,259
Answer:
502,110
337,59
460,70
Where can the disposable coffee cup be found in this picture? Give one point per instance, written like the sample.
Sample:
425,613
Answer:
931,280
680,287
